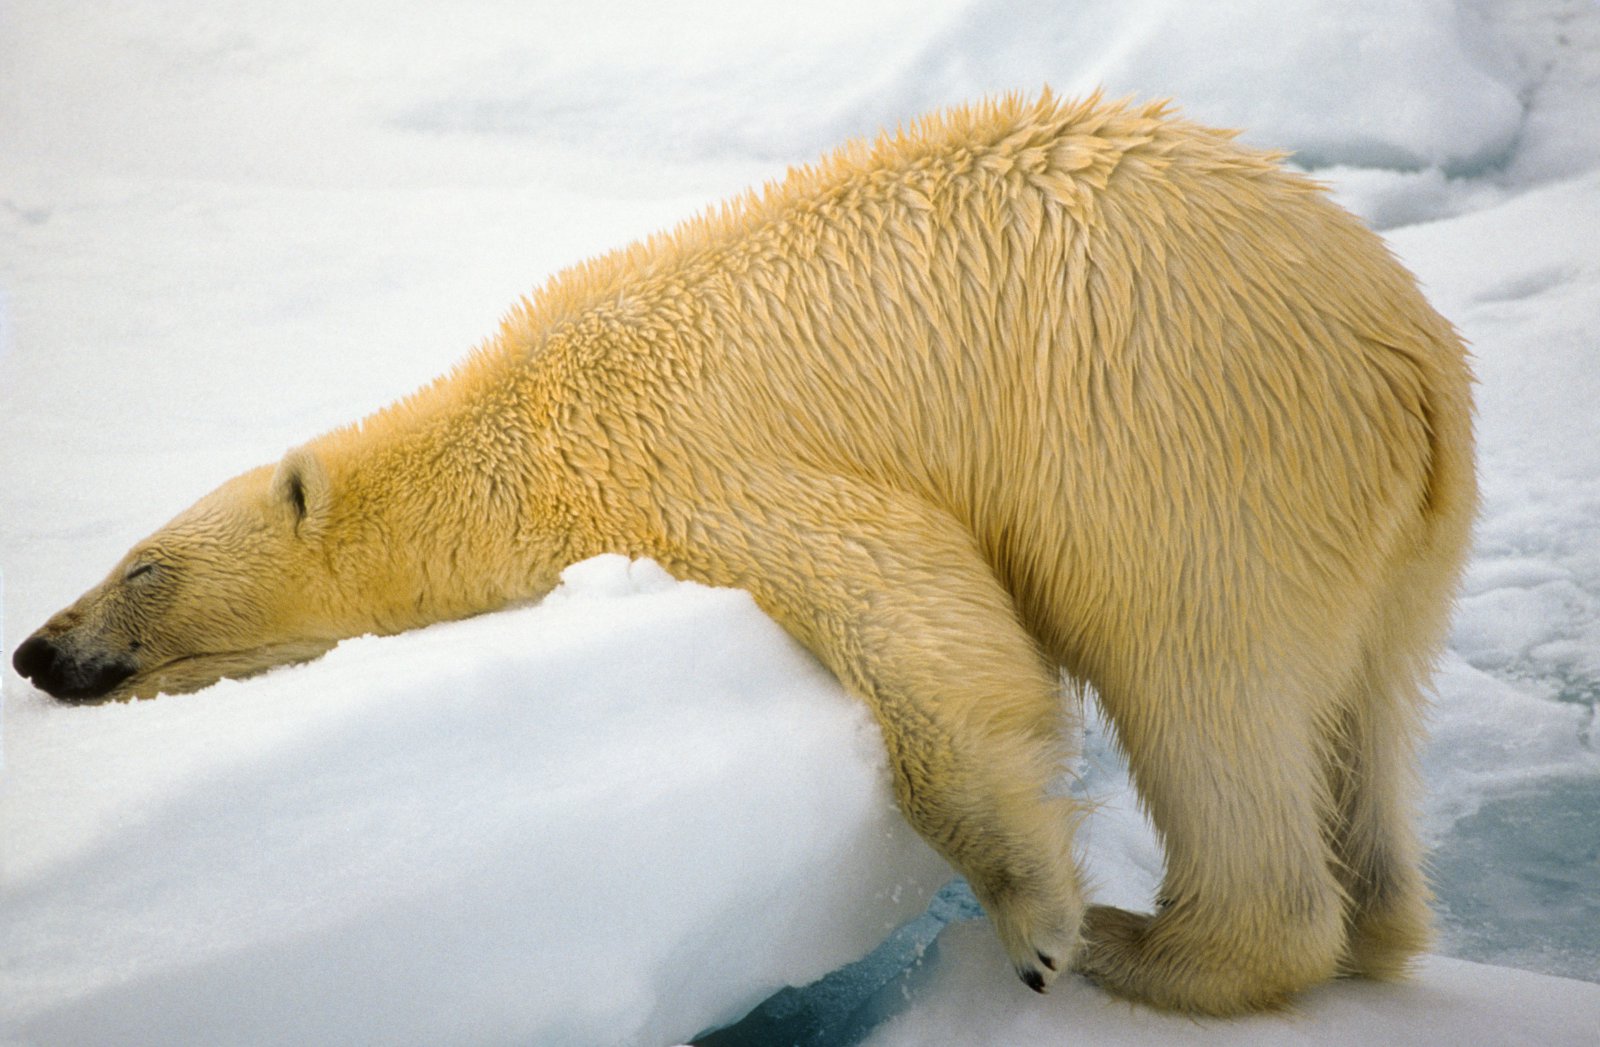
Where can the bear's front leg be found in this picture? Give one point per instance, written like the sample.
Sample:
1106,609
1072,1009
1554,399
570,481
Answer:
977,790
896,598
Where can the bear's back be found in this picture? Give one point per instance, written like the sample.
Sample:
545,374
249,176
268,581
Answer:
1117,346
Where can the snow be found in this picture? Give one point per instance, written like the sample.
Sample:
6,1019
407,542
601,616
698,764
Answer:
596,820
633,812
973,999
1394,85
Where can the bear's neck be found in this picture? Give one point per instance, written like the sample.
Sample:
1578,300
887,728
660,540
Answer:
449,504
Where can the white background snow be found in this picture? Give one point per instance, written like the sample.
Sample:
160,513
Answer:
632,813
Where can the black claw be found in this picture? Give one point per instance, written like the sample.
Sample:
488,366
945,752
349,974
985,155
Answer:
1033,980
1048,961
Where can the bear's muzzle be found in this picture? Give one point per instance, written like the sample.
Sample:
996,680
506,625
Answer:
60,674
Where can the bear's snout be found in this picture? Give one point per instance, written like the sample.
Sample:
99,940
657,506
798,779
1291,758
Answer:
35,659
59,674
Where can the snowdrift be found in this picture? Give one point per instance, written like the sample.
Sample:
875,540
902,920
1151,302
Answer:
624,816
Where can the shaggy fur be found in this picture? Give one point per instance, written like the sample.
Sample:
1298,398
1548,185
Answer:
1032,386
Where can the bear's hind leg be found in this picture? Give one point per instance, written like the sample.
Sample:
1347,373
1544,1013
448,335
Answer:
1388,921
1251,912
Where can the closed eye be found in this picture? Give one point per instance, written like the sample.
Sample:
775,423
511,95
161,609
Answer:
138,570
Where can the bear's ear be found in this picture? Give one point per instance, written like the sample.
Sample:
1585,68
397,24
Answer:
300,485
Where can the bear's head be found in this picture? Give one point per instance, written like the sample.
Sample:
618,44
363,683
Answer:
231,587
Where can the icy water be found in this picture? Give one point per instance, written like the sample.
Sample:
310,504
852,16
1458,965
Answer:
1515,882
844,1007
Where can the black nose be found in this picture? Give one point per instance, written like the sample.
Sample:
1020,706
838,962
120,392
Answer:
35,659
59,675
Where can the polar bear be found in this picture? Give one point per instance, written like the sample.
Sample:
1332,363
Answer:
1034,390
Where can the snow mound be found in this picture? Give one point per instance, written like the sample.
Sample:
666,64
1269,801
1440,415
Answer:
624,816
1371,83
1408,85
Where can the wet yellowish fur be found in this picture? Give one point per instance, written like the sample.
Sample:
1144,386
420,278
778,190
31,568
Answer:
1032,385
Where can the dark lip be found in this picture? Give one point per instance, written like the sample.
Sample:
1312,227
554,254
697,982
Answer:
92,688
99,683
120,680
105,685
133,676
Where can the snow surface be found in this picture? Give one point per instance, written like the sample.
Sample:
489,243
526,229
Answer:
973,999
631,813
